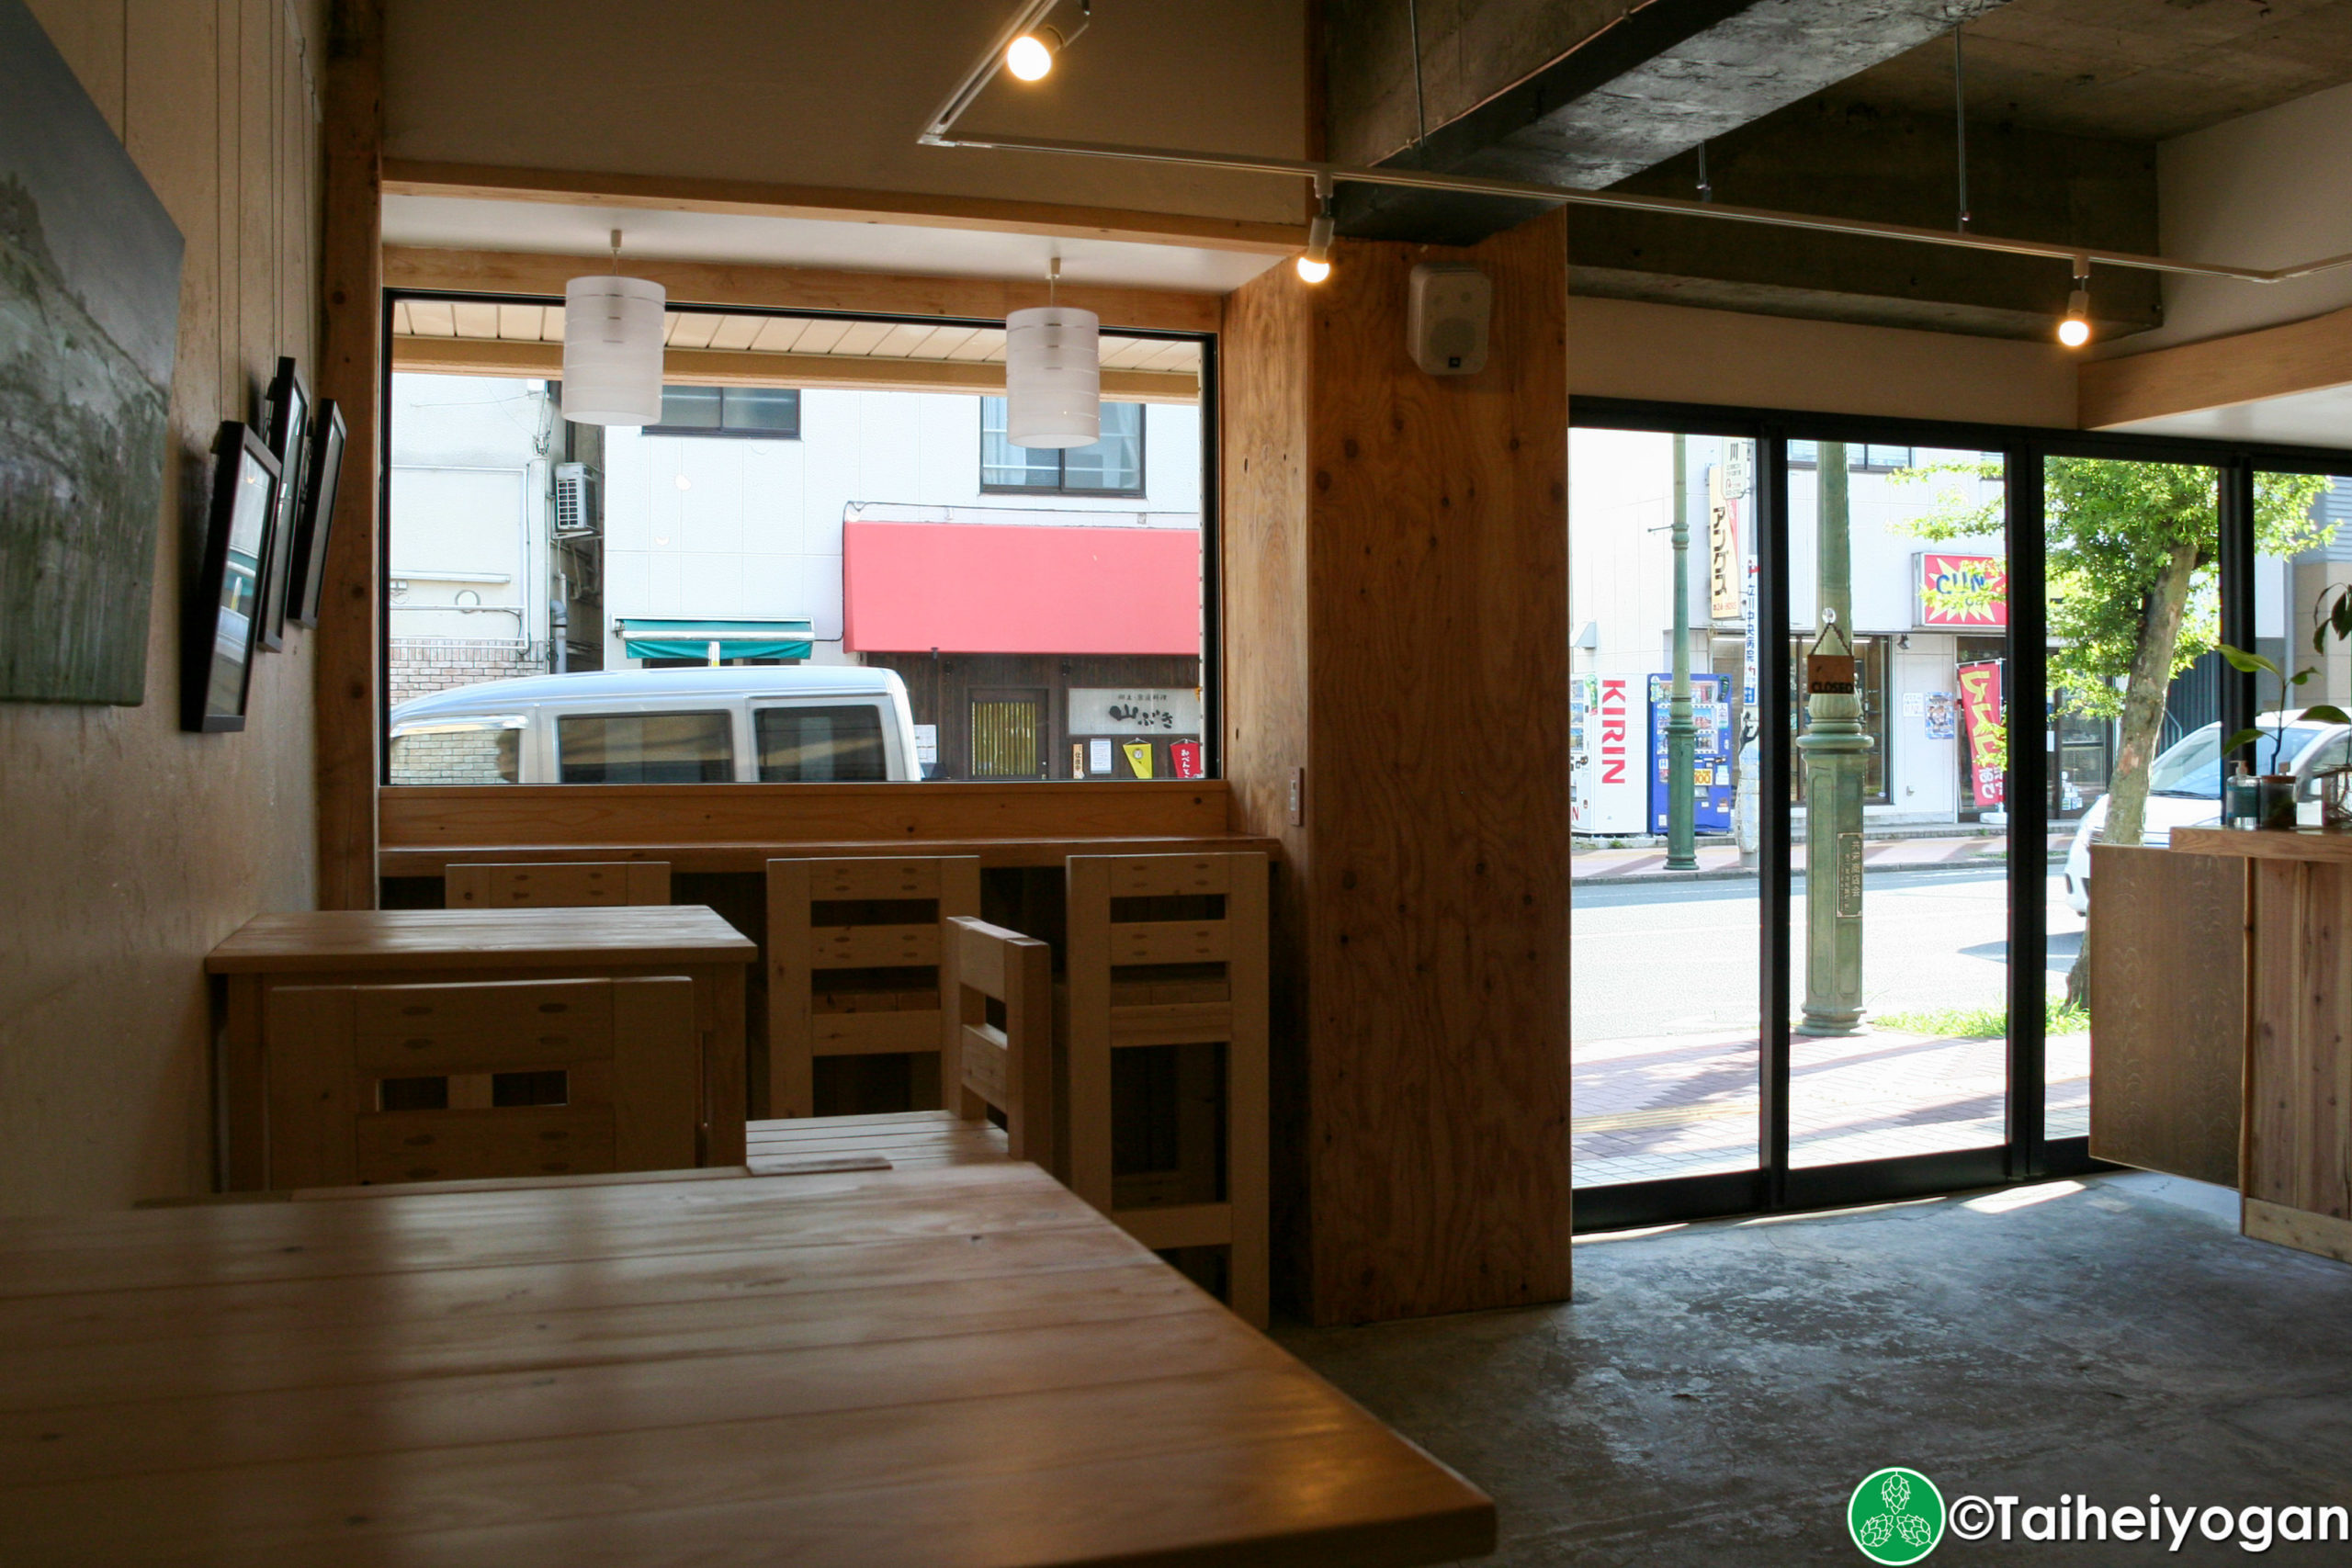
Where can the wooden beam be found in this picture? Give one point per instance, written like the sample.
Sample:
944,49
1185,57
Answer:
345,701
2274,362
796,289
484,182
742,367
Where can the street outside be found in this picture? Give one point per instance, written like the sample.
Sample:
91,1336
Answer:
1663,1006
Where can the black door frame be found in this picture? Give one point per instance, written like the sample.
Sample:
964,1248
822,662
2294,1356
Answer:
2027,1154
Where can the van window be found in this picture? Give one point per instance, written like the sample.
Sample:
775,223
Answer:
820,745
645,748
458,751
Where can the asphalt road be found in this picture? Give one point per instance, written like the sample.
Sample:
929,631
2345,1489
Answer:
1681,958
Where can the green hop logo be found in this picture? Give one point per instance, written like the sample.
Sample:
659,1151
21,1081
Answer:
1895,1515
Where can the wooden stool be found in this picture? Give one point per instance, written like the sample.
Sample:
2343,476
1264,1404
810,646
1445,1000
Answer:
1191,972
556,884
841,943
488,1078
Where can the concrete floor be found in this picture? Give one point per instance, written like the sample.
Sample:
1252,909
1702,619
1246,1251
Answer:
1716,1391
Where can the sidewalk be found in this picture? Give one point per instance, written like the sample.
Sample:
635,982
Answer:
1719,861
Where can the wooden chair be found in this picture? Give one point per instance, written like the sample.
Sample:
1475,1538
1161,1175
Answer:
854,969
486,1078
1170,951
1007,1067
556,884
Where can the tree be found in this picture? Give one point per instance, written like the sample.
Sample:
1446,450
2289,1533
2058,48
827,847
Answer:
2130,552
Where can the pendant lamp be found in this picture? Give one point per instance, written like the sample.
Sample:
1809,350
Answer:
612,348
1052,375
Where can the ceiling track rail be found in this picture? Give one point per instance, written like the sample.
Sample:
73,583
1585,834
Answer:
941,132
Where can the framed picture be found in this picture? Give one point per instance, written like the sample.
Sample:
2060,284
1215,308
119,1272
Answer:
306,573
223,627
289,413
89,331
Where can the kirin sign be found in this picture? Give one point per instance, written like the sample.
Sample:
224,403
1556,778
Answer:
1962,591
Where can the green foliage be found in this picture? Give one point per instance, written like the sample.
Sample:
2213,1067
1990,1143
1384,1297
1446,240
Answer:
2110,530
2059,1017
2247,664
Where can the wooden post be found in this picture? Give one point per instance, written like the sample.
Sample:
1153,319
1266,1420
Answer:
1396,639
348,711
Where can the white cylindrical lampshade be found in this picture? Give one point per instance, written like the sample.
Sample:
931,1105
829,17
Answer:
612,350
1052,377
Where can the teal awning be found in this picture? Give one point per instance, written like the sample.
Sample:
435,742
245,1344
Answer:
736,639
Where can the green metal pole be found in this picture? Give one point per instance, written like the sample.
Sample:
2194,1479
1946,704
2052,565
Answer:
1682,747
1836,754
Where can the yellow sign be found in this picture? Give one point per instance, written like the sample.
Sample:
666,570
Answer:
1138,757
1725,564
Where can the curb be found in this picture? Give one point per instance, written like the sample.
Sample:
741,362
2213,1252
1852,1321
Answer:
1621,879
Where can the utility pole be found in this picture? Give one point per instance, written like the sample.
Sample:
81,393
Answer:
1681,745
1835,755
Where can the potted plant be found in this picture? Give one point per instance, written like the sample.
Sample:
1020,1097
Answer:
2274,791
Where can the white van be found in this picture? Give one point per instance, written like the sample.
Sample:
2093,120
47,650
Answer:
754,724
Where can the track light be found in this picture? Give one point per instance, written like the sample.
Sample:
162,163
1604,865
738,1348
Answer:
2075,330
1315,265
1032,54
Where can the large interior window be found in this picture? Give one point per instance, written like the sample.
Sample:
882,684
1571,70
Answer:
825,564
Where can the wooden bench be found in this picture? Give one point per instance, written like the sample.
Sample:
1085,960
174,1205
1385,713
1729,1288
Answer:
508,885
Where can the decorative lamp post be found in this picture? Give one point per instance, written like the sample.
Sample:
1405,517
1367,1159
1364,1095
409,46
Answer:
1681,733
1835,753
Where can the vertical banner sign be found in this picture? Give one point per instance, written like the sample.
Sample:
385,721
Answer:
1184,759
1723,557
1138,757
1981,706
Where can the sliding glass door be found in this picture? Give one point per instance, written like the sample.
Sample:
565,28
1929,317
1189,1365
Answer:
1853,699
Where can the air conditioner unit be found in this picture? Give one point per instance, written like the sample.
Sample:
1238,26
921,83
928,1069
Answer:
579,501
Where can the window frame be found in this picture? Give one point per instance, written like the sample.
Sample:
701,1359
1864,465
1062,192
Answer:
724,432
1061,459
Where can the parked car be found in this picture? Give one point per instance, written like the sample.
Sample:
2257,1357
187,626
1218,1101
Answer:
2184,787
784,723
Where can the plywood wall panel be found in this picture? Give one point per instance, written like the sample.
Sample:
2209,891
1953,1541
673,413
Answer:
127,848
1416,550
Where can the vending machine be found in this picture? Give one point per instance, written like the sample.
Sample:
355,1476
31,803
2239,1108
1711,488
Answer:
1711,751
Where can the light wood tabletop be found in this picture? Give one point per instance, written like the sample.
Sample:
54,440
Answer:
347,940
959,1364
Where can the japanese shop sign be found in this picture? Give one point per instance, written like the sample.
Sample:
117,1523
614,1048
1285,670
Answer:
1981,706
1111,710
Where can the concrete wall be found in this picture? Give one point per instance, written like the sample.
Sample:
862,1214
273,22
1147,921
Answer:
127,848
1622,348
809,93
2267,189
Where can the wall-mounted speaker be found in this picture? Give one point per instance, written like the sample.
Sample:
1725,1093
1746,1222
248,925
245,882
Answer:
1445,325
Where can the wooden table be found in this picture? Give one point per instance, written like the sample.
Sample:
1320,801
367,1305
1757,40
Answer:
348,946
960,1365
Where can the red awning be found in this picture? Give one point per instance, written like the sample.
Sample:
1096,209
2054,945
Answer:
997,588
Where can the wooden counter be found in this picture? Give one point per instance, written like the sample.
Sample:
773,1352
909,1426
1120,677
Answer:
740,828
2295,1153
959,1366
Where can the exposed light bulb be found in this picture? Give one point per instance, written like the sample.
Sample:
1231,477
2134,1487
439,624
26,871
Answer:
1315,264
1031,55
2075,330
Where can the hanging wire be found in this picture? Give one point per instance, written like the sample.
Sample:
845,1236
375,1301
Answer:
1960,118
1420,113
